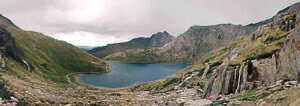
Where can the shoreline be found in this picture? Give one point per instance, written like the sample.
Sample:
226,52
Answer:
129,62
78,82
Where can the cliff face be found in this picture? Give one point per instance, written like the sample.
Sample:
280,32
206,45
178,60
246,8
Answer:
156,40
276,60
282,65
252,67
10,49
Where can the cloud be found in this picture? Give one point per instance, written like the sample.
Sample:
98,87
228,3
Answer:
125,19
86,38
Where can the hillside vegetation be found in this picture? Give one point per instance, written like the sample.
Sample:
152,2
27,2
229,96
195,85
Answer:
53,59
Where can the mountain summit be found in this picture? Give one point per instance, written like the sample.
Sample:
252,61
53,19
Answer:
156,40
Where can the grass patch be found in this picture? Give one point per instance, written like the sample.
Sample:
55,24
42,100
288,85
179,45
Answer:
252,95
263,47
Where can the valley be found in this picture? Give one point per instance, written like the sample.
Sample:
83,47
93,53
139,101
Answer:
224,64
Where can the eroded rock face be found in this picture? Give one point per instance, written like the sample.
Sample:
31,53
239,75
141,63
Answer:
282,65
226,80
10,49
288,60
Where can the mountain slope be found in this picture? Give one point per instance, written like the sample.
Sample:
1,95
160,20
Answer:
190,45
156,40
51,58
270,55
261,69
10,49
5,22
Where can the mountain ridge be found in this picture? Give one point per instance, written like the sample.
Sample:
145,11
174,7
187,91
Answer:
192,44
156,40
183,48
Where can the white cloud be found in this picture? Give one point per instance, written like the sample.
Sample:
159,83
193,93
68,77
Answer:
86,38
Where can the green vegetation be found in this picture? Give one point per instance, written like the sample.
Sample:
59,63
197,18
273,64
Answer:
253,95
53,59
263,47
159,85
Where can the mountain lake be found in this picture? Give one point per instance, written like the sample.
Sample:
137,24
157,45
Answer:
126,74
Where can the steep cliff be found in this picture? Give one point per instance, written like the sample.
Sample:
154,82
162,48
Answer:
10,49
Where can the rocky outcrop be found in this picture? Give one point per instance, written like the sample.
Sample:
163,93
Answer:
226,80
282,64
156,40
159,39
10,49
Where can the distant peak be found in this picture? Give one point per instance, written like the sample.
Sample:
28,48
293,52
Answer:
165,32
160,34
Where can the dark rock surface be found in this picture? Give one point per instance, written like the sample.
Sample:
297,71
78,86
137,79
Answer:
10,49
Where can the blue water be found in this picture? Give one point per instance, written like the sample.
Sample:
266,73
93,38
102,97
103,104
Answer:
126,74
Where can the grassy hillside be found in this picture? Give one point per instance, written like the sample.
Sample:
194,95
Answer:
53,59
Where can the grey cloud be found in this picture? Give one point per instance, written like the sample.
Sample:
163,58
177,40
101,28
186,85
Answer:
130,18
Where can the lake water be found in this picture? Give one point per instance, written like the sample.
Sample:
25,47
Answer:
126,74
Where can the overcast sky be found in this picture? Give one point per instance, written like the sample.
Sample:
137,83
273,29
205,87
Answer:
99,22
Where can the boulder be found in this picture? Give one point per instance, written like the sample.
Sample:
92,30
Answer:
14,99
290,83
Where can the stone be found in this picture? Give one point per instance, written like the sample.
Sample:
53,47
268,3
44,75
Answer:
290,83
234,103
3,65
1,101
279,82
14,99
